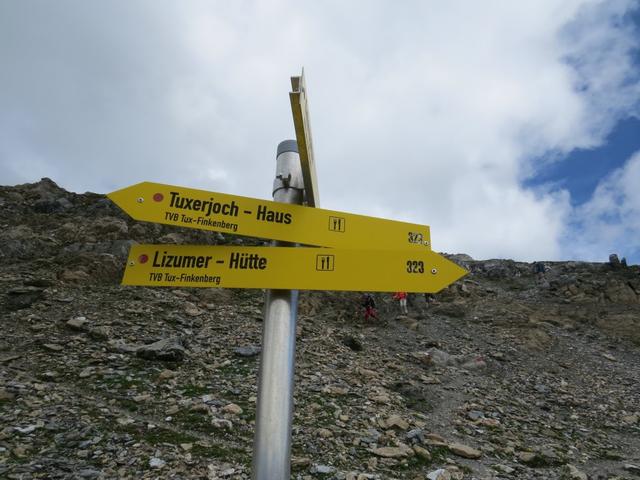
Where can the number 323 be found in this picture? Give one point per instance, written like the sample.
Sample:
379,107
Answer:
415,266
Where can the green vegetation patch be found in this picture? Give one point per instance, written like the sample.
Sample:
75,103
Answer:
157,436
121,382
235,454
129,404
196,390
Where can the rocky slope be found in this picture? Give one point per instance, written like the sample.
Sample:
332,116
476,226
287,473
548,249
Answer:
506,375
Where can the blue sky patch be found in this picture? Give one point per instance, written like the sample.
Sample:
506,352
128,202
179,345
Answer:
582,169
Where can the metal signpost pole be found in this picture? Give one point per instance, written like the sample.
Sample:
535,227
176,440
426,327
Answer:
272,442
314,268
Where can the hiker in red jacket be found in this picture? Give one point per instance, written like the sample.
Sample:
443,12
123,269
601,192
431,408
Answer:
402,297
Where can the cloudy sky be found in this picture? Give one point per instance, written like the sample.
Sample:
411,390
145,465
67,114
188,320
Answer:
511,128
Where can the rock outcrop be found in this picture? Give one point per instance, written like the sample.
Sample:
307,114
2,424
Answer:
511,373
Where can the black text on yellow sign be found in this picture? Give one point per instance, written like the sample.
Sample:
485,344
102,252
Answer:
153,202
304,268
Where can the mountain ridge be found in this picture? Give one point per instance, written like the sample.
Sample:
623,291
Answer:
508,373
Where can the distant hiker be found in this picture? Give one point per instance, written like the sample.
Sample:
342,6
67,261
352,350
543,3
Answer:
402,298
539,270
429,298
614,261
369,305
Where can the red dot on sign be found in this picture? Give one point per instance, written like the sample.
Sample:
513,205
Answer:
143,258
158,197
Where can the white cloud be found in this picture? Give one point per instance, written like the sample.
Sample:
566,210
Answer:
610,221
423,111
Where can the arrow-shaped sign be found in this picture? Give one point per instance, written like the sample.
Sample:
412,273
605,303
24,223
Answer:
185,207
289,268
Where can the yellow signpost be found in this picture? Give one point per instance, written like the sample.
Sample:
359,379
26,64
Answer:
289,268
186,207
300,112
365,254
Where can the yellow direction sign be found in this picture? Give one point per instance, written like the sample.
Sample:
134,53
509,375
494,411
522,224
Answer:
289,268
185,207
